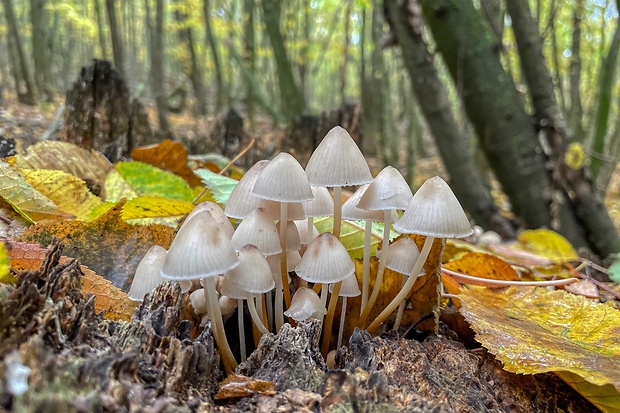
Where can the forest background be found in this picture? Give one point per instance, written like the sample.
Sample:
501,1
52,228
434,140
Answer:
512,95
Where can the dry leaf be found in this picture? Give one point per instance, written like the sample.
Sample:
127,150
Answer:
108,245
548,244
115,304
482,265
236,386
606,398
536,330
169,156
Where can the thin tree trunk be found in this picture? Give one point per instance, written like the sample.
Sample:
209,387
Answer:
570,186
576,110
210,40
465,178
157,68
494,15
100,30
290,96
250,58
28,96
117,39
345,54
38,20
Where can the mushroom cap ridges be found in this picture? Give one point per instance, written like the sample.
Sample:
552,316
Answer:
389,190
435,211
337,161
148,274
283,180
326,260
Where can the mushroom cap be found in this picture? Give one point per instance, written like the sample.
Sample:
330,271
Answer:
389,190
292,260
401,256
200,249
283,180
198,301
293,241
217,213
148,274
326,260
252,275
337,161
321,205
302,227
305,304
349,287
259,230
351,212
434,211
241,200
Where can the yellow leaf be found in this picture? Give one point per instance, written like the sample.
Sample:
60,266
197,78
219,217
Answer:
548,244
536,330
27,201
606,398
65,190
148,210
116,188
88,165
482,265
5,274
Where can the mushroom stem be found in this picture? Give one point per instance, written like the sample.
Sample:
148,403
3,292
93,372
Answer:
337,211
309,230
379,279
270,310
242,349
342,314
215,315
404,292
255,317
329,318
283,271
401,309
366,264
278,303
324,291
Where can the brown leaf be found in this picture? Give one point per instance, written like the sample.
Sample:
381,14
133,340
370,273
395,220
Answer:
115,304
236,386
169,156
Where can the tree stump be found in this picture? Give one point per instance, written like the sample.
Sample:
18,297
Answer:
100,115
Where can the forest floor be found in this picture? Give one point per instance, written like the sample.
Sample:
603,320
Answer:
85,363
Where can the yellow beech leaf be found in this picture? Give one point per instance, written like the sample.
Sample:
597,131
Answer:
89,165
5,274
536,330
606,398
148,210
114,303
548,244
68,192
24,198
479,264
456,248
108,245
117,188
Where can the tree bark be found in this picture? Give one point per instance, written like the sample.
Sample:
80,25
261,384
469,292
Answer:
28,96
117,40
157,68
38,20
250,58
291,99
210,37
576,111
466,181
570,186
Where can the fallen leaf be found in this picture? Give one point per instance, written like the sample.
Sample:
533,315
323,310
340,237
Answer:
24,198
583,287
88,165
536,330
108,245
548,244
114,303
351,235
456,248
606,398
219,185
68,192
24,256
236,386
482,265
148,210
169,156
5,273
151,181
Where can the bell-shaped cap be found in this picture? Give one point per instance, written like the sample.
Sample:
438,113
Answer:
325,261
148,274
389,190
283,180
294,210
401,256
351,212
217,213
198,301
434,211
259,230
292,260
252,275
321,205
349,287
305,304
241,200
200,249
337,161
293,242
302,227
185,285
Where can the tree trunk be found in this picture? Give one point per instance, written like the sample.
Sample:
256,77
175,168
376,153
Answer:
28,95
117,39
157,68
219,80
493,106
576,111
250,58
466,181
345,54
38,19
571,186
290,96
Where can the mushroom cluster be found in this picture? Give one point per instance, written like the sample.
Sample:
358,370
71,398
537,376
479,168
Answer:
275,247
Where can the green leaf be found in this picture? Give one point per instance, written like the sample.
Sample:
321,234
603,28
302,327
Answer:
614,272
352,235
148,180
219,185
5,273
